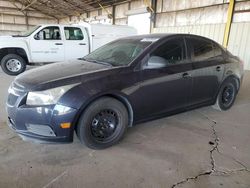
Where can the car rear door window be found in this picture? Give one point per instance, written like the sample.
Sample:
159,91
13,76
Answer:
73,33
202,49
217,50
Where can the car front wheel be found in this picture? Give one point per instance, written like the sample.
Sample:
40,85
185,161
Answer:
227,95
13,64
103,123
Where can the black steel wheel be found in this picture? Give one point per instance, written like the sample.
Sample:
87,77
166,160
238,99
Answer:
103,123
227,95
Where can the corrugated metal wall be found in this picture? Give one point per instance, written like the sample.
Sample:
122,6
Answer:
239,40
207,18
100,15
202,17
212,14
213,31
13,21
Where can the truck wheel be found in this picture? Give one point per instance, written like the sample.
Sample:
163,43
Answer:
103,123
13,64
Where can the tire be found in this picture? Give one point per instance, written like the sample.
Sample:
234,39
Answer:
226,96
13,64
103,123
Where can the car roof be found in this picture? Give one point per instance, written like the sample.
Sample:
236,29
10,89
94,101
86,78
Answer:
164,35
155,35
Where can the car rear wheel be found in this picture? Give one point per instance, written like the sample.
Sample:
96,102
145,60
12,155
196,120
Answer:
226,96
103,123
13,64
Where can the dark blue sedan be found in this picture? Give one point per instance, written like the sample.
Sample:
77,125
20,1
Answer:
125,82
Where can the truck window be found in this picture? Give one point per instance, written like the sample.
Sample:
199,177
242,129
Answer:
49,33
73,33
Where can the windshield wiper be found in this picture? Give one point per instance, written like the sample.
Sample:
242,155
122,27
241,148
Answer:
101,62
96,61
17,36
82,58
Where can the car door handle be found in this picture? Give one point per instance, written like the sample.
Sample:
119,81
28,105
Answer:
58,43
218,68
186,75
82,43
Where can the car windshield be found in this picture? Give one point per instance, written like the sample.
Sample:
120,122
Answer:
27,33
118,53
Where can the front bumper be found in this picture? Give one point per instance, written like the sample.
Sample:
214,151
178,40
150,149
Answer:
27,135
31,124
40,123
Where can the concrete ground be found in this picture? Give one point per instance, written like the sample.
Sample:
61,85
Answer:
201,148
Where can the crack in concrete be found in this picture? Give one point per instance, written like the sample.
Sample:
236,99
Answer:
216,141
229,172
215,147
191,178
55,179
244,167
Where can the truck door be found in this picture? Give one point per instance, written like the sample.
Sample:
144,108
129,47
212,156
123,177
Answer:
76,42
47,45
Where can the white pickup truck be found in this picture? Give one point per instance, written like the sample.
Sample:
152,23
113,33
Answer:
55,43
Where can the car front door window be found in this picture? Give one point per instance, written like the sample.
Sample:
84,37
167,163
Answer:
48,33
170,53
47,45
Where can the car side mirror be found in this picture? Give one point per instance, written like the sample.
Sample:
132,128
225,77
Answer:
37,36
155,62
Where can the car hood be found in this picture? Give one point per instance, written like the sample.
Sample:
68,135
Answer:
60,73
5,37
9,41
11,37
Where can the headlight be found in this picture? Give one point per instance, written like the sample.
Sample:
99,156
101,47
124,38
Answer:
47,97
